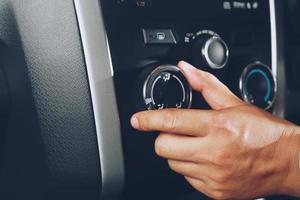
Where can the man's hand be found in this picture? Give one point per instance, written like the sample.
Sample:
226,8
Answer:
234,151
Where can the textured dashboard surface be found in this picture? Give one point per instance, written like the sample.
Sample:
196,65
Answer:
51,148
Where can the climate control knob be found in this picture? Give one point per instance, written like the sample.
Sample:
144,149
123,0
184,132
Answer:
258,86
166,87
210,49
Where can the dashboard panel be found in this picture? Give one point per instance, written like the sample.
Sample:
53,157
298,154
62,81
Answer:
147,38
73,72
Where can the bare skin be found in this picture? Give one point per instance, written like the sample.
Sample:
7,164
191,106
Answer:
234,151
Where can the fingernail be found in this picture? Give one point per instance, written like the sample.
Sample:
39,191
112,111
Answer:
135,122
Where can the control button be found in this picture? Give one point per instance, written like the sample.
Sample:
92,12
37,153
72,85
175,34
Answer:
159,36
215,52
166,87
209,49
258,86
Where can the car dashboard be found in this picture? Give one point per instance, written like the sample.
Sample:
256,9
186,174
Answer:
73,72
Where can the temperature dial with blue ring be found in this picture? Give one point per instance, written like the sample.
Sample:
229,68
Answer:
258,86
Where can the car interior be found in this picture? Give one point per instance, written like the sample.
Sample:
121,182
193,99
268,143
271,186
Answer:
73,72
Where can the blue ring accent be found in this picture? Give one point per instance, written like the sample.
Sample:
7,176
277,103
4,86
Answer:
261,72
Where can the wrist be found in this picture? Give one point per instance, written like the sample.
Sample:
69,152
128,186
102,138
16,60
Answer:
291,152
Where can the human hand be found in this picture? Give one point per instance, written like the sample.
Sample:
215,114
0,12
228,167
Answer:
235,151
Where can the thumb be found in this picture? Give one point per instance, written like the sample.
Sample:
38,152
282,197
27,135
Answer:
216,94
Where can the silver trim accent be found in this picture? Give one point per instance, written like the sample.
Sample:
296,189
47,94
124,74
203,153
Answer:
273,36
278,65
152,89
206,56
100,75
157,70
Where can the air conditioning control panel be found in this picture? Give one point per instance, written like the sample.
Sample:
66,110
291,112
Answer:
147,38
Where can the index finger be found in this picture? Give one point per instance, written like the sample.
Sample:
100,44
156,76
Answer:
177,121
216,94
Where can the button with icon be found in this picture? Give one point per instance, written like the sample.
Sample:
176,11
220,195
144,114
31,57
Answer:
159,36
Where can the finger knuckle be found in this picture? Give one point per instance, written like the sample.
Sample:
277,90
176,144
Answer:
158,145
222,158
210,77
172,165
224,123
220,178
170,121
220,117
196,157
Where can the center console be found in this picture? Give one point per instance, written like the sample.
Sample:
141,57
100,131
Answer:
230,39
147,38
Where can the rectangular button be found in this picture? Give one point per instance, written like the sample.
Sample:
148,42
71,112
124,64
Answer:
159,36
